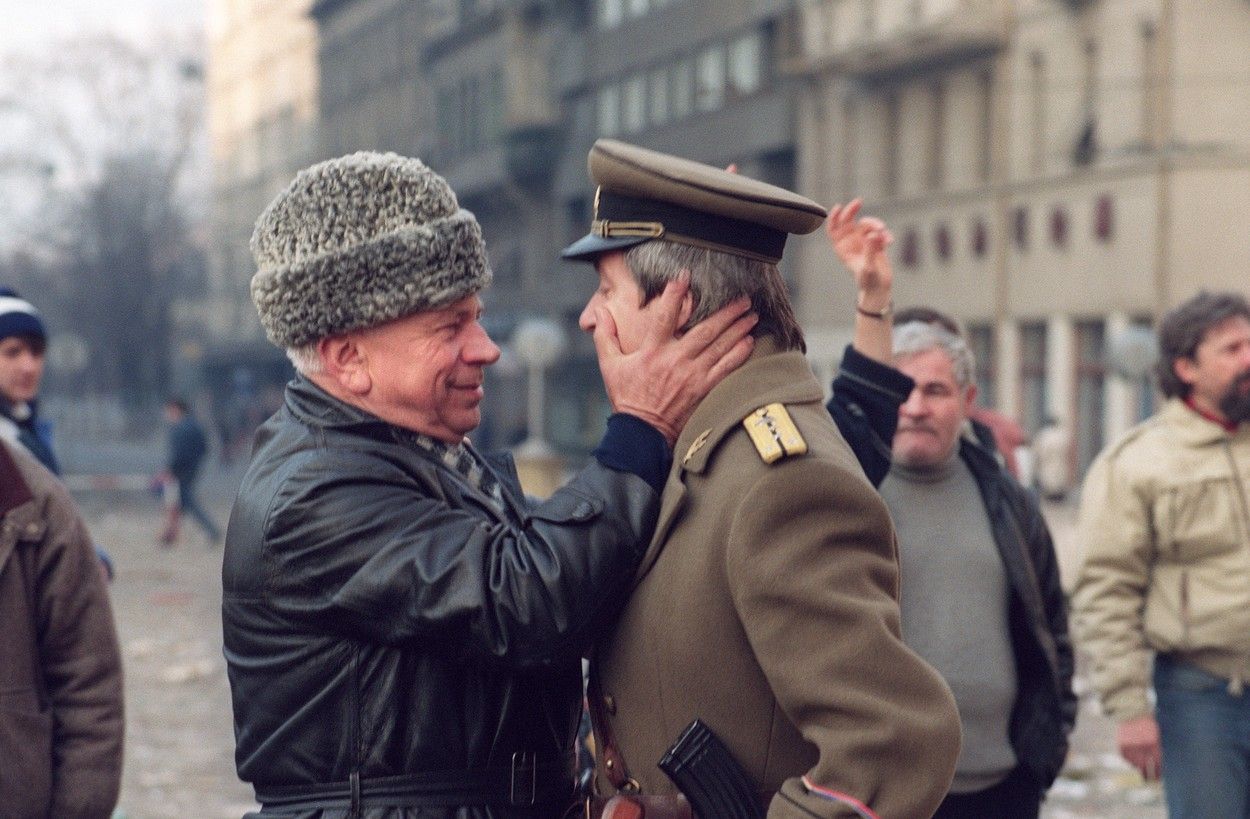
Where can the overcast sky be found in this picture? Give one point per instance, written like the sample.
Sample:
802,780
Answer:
29,23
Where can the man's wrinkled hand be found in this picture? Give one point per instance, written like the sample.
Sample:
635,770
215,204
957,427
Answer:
1139,744
663,381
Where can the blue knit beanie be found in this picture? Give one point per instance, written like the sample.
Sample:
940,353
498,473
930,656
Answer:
19,317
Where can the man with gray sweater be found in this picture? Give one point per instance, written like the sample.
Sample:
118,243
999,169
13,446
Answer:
981,600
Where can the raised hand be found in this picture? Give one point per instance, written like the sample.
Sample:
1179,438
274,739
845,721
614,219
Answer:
860,243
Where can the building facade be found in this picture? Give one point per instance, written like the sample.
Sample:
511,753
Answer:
1055,172
262,124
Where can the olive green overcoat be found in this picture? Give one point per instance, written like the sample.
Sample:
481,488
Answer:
767,606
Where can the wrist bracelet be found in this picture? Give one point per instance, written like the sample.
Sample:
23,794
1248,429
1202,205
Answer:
883,314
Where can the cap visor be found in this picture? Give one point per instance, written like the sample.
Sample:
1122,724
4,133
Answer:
589,246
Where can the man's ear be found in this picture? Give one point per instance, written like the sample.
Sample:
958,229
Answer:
970,398
344,362
1186,370
686,310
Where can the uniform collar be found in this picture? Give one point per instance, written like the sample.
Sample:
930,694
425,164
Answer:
770,375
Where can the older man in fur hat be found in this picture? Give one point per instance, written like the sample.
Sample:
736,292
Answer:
402,629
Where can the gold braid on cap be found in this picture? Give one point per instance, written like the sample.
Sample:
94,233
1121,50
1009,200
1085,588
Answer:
607,229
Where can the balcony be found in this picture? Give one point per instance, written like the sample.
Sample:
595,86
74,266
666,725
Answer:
962,31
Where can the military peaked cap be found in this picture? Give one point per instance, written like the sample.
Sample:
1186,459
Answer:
645,195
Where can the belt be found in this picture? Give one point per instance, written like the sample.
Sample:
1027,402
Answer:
524,783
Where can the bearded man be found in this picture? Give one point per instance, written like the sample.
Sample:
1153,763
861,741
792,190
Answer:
1166,530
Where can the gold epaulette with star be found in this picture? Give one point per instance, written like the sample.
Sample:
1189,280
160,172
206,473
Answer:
774,434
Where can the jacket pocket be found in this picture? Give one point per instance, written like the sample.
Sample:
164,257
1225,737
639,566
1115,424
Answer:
1198,520
26,751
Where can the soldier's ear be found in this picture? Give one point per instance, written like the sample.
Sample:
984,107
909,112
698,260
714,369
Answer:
344,361
686,310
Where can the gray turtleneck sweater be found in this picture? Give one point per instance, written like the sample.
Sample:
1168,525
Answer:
955,602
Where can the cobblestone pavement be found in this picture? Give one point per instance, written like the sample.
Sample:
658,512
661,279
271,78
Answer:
179,744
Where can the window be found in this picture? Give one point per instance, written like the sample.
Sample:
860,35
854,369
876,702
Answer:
657,96
609,110
942,242
891,137
985,103
584,115
1021,219
980,238
1059,227
937,136
1037,90
745,64
634,104
1032,375
981,342
496,105
1149,86
1091,376
1089,79
578,215
609,13
870,16
682,88
850,124
710,88
445,117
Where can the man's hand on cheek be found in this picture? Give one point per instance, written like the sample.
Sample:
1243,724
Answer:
663,381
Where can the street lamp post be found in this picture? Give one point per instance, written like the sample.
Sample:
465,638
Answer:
538,343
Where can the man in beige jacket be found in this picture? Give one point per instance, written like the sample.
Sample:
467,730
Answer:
1166,530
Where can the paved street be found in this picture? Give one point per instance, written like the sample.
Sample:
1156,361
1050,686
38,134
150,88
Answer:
179,742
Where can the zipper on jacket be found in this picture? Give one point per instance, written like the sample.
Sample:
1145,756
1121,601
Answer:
1241,489
1235,686
1185,607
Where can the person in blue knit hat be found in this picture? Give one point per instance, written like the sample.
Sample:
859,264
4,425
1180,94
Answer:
23,342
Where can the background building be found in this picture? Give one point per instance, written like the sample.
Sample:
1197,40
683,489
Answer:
263,114
1054,172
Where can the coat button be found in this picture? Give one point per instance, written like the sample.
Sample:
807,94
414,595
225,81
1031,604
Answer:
609,702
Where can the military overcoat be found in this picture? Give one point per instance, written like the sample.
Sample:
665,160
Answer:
766,605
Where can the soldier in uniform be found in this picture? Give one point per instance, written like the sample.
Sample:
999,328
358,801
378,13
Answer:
767,602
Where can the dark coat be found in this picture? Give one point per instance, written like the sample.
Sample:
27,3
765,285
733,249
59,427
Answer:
865,402
382,618
766,605
187,447
1046,707
60,667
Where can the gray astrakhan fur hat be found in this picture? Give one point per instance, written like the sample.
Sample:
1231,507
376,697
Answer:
360,240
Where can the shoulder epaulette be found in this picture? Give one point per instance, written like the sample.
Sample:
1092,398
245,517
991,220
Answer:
774,434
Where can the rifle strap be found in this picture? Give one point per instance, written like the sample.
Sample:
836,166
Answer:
613,763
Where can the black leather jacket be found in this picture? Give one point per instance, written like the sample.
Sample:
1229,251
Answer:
1046,707
382,618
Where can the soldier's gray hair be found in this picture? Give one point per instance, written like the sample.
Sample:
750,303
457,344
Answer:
717,278
917,337
305,359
